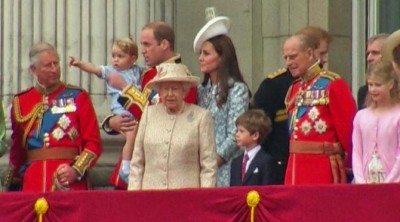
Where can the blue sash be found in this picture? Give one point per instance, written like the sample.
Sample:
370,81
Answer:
321,83
35,140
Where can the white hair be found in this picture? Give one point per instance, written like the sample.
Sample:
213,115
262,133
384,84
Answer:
38,48
186,85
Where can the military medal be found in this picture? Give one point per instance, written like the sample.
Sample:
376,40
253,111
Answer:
63,105
58,133
313,113
323,100
64,122
306,127
320,126
71,107
73,133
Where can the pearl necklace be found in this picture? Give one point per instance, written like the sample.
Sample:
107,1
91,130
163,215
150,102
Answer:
175,113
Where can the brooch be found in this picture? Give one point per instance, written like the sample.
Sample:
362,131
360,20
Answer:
190,117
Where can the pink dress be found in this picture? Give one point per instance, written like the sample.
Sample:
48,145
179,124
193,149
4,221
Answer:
376,146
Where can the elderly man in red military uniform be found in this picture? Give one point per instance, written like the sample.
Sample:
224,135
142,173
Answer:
55,138
321,111
270,97
157,46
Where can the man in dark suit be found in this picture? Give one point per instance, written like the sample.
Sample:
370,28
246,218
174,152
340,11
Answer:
253,167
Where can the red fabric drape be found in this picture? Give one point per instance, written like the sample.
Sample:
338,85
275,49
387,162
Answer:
278,203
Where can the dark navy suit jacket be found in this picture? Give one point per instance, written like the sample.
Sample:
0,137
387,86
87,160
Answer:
258,173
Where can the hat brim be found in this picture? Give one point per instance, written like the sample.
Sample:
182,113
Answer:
389,44
192,80
217,26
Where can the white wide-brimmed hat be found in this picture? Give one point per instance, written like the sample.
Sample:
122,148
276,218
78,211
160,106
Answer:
173,72
389,44
217,25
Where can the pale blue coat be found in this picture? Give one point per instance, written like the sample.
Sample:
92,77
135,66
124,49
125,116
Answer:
224,122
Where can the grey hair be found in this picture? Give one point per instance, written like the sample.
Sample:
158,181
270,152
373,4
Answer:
376,37
38,48
186,86
307,42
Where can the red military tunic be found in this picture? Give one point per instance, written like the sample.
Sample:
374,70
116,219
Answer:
321,111
134,100
49,130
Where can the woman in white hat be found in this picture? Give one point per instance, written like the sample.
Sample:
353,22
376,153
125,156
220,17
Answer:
175,145
223,90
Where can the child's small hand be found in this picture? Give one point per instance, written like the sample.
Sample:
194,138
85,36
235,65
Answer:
73,61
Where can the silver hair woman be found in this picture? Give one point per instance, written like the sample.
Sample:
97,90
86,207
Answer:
175,145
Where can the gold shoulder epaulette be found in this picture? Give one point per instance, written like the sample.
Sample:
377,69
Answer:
73,87
330,75
276,73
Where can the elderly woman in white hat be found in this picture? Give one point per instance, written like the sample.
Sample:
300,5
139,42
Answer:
391,50
223,90
175,146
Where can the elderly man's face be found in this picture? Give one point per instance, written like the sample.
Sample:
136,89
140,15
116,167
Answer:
172,94
47,69
297,59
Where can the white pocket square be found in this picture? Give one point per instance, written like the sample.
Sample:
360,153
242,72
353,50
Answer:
255,170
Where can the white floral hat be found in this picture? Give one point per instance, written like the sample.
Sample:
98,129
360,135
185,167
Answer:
173,72
216,25
389,44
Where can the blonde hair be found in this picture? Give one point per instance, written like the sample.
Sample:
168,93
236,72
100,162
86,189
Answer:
127,45
384,71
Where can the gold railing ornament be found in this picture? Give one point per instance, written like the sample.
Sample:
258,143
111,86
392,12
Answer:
41,207
252,199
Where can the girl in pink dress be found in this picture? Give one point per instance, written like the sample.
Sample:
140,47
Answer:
376,133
